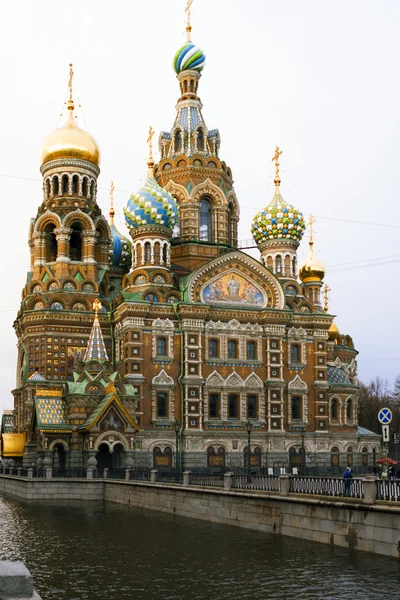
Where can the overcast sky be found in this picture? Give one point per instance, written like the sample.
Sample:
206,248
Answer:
318,78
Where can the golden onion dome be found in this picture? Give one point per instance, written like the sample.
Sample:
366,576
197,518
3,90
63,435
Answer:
312,269
69,141
333,332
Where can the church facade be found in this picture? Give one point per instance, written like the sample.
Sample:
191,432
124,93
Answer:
167,345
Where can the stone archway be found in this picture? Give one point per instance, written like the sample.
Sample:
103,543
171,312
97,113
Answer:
104,458
59,458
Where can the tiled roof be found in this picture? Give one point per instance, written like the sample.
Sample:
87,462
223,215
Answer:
101,409
36,376
338,376
363,431
96,349
51,411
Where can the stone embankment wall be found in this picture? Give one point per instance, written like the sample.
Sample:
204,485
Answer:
347,522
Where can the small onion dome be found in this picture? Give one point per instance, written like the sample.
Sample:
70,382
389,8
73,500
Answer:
151,205
189,57
121,252
333,332
278,220
312,269
69,141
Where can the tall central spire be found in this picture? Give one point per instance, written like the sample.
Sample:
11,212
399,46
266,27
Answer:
188,24
96,349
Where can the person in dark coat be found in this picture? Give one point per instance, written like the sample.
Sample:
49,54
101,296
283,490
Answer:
347,477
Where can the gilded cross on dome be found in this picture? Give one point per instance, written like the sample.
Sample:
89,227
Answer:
188,24
310,224
112,211
326,290
97,306
150,142
71,77
275,159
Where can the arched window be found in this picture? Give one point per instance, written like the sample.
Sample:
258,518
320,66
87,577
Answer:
294,266
75,244
335,457
51,243
295,353
147,252
251,350
178,141
213,406
232,349
233,406
364,457
55,185
213,349
200,140
334,410
191,85
176,232
205,220
349,456
216,459
161,347
278,264
75,184
65,184
165,254
85,187
251,406
47,189
92,190
349,411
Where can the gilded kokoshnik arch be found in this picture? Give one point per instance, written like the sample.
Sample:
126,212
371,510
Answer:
236,279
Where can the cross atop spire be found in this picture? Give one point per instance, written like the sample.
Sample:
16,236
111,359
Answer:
96,349
275,159
150,162
112,211
188,23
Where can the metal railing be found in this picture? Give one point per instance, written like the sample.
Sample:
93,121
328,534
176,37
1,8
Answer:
207,479
169,477
262,483
326,486
69,473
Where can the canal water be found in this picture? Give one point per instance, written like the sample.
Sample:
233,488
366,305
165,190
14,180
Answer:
99,551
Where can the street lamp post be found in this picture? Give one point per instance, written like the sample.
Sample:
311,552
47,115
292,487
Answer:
177,427
249,428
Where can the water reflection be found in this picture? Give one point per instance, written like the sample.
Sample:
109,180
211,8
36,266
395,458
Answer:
93,551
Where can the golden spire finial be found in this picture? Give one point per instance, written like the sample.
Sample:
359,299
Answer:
188,23
112,211
275,159
71,76
150,162
310,224
97,306
326,289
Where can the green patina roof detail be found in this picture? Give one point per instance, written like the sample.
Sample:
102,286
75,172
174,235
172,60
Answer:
101,408
45,277
78,277
189,186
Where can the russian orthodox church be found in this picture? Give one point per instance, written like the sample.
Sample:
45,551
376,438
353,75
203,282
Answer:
131,344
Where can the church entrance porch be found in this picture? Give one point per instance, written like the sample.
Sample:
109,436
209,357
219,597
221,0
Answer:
111,459
59,457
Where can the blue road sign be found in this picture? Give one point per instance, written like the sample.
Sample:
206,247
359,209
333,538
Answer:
385,416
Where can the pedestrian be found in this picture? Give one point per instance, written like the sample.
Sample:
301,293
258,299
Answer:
347,477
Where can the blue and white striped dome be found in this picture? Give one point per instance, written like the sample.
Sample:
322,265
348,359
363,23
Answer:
151,205
189,57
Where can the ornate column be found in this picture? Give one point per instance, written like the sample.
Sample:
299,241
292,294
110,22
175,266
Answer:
40,248
63,237
89,242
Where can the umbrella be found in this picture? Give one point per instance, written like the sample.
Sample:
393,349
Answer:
390,461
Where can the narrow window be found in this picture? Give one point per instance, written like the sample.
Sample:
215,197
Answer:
75,183
200,140
161,404
295,352
176,232
296,407
205,220
349,411
178,141
334,410
161,347
147,252
92,190
213,410
251,350
335,457
76,242
164,254
232,349
65,184
350,456
213,349
85,187
278,264
365,457
55,186
47,188
251,406
232,406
